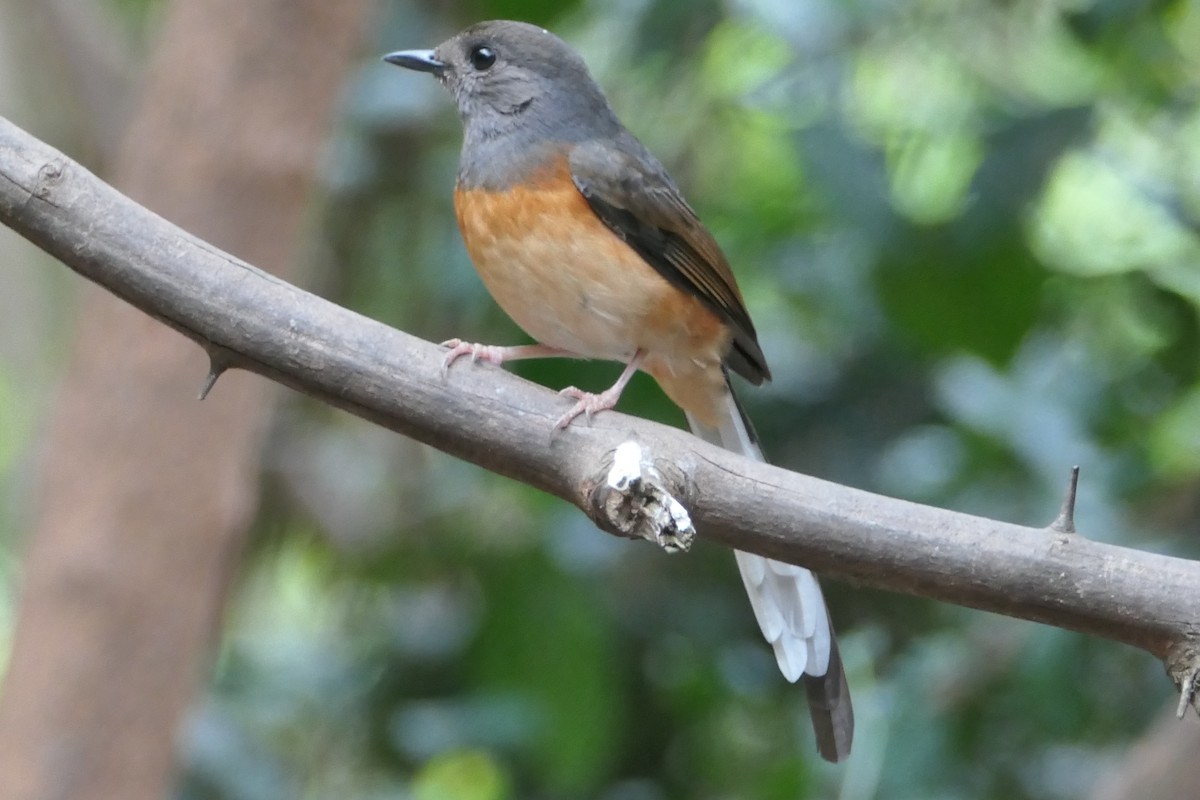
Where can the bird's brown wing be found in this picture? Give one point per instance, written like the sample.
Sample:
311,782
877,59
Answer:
632,194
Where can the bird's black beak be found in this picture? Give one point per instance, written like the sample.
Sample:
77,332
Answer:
420,60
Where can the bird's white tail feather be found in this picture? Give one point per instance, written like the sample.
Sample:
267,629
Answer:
786,599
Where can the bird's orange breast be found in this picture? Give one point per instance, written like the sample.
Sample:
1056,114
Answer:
571,283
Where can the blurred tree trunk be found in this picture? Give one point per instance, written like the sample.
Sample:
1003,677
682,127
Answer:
1164,765
146,494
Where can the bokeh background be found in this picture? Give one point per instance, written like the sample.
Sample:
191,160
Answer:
968,234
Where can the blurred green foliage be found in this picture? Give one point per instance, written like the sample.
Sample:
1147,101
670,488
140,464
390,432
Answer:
967,232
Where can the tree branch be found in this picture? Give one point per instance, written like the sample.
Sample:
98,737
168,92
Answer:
247,319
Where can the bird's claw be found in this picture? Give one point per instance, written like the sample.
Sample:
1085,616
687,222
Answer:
478,352
588,404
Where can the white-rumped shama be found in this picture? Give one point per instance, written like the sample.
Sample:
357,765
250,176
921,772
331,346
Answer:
584,240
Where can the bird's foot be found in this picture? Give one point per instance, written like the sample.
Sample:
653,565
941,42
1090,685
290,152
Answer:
492,354
588,403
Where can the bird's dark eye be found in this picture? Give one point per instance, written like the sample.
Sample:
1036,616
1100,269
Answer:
482,57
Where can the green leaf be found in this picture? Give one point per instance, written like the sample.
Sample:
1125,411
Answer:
1175,438
462,775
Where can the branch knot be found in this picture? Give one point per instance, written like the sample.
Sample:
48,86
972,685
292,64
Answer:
49,175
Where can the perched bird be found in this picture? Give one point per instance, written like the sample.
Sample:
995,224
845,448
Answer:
586,242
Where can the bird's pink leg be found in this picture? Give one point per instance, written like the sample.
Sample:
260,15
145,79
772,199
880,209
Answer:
589,403
495,354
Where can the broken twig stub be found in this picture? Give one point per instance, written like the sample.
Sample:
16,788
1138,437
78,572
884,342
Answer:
636,500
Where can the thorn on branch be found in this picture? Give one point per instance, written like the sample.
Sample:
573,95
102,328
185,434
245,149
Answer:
1187,694
635,500
1183,667
1065,521
217,364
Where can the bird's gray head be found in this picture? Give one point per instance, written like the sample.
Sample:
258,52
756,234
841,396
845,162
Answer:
515,77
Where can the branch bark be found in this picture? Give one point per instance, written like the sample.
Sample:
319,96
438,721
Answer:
247,319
